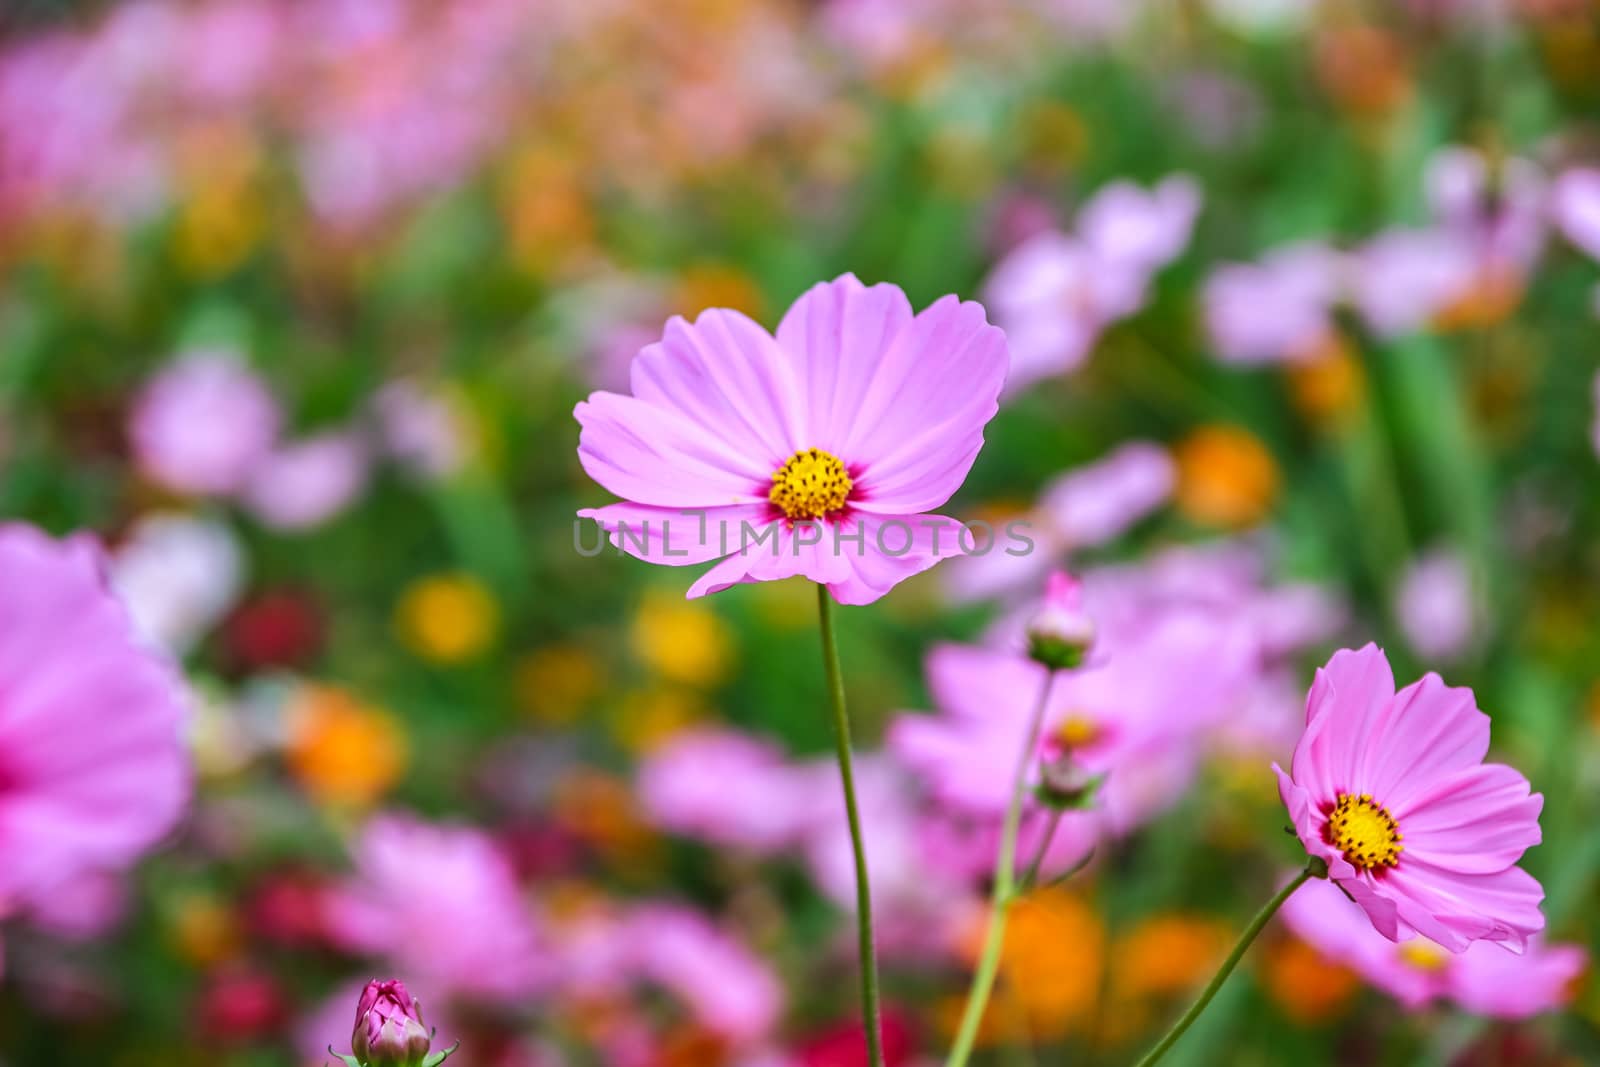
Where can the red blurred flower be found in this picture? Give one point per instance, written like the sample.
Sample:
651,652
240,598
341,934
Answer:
241,1007
845,1045
286,908
278,628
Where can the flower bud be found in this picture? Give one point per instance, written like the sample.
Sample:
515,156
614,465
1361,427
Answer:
389,1029
1060,635
1066,785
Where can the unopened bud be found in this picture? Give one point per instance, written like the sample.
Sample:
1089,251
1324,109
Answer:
389,1029
1066,785
1060,635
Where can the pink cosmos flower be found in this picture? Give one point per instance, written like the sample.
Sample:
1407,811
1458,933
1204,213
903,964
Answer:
1056,292
816,452
1485,979
440,903
1575,205
1132,714
1391,790
306,483
1087,506
1436,606
727,789
203,424
1277,310
93,770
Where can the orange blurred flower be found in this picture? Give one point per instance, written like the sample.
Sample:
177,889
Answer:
1328,386
716,285
1309,988
1226,477
342,751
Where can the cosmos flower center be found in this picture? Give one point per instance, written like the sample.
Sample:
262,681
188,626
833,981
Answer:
1077,731
1423,955
1365,832
812,484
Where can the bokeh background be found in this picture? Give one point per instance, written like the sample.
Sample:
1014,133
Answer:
298,298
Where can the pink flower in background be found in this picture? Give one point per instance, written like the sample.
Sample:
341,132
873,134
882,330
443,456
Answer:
1391,790
1401,279
1436,607
203,424
420,429
440,903
1498,206
1484,979
1575,207
727,789
1085,507
854,421
1133,713
306,483
1277,310
728,989
1056,292
93,770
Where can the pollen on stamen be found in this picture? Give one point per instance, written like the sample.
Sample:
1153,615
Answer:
812,484
1365,832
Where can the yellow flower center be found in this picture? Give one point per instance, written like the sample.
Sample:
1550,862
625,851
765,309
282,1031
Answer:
1424,955
813,484
1365,832
1077,731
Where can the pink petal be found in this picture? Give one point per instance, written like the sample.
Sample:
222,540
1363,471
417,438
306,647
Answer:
676,537
1430,730
726,375
1349,696
835,337
1455,909
653,455
920,423
1478,820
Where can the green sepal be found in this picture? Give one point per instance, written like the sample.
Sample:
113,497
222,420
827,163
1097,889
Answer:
1080,799
348,1061
439,1057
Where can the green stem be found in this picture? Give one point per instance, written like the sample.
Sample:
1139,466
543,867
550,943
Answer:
1217,980
1031,876
841,735
1004,891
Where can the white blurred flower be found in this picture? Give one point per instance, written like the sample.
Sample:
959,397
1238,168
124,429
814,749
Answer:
178,575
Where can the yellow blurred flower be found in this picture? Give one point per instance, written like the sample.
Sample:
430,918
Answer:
557,683
683,641
647,720
1309,988
342,751
447,618
716,285
1328,385
1226,477
221,215
1054,136
202,929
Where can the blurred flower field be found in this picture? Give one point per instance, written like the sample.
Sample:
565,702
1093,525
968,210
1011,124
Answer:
322,321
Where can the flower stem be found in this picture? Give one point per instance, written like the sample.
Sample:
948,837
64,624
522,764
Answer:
1004,891
841,733
1217,980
